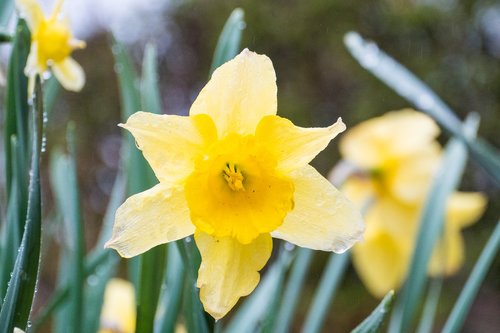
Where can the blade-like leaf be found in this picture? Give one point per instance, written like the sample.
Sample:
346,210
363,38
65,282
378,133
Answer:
6,10
330,281
292,291
460,310
66,190
229,40
150,93
373,323
170,301
445,182
430,307
253,312
408,86
17,304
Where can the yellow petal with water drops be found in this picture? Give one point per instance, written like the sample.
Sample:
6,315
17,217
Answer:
323,218
448,255
395,134
381,261
118,312
229,270
69,73
293,146
235,190
410,179
171,143
156,216
31,11
239,94
465,208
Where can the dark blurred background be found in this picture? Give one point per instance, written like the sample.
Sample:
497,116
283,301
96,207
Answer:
454,46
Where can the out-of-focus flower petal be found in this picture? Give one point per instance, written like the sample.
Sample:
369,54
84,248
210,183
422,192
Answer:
156,216
229,270
398,133
119,308
31,11
465,208
323,218
239,94
70,74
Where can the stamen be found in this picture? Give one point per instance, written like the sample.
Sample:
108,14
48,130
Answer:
233,176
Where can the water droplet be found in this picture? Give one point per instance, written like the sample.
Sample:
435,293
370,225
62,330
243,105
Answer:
118,68
289,246
92,280
188,239
115,49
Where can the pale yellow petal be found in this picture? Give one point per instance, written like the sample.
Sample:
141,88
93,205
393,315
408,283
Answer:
360,190
465,208
239,94
156,216
69,74
410,179
381,261
118,312
323,218
293,146
393,216
397,133
31,11
229,270
171,143
448,255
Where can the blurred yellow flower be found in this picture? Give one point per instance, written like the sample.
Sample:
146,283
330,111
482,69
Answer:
51,46
397,155
118,310
234,174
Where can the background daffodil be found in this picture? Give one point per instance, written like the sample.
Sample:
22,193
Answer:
118,310
397,155
234,174
51,46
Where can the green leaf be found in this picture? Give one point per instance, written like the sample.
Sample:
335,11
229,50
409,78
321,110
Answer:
6,10
66,190
460,310
445,182
16,120
52,87
17,304
151,100
374,321
408,86
430,307
253,313
170,300
229,40
293,288
330,281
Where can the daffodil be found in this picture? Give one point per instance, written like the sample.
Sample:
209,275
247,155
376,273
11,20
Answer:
118,310
396,156
51,46
234,174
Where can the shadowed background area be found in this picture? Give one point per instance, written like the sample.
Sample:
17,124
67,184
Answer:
454,46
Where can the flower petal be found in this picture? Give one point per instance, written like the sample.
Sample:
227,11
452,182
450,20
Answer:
381,260
448,255
118,310
239,94
171,143
410,180
70,74
156,216
323,218
31,11
464,209
293,146
396,133
229,270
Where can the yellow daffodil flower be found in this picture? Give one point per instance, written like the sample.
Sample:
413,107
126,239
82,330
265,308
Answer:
118,310
51,46
397,155
234,174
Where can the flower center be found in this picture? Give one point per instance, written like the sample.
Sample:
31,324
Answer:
54,41
233,176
